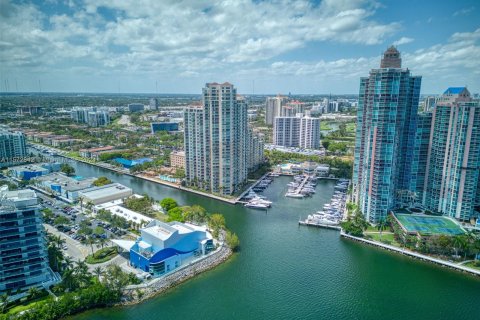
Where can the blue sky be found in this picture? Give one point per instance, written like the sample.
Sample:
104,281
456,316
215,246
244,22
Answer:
266,46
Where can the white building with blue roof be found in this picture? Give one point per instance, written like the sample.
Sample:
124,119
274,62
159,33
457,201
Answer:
162,247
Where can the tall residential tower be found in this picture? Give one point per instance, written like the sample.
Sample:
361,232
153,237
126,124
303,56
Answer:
385,136
453,164
217,145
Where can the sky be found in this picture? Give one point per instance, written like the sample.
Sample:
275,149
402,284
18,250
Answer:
281,46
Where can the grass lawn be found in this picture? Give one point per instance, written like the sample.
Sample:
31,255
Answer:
325,126
386,236
22,306
473,265
102,255
350,127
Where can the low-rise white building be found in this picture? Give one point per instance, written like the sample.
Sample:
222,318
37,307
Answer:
109,192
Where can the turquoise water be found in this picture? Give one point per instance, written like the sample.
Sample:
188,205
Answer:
286,271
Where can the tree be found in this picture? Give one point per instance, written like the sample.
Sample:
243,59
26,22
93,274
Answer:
60,220
195,214
47,214
98,231
101,181
168,204
232,240
381,226
175,214
33,293
67,169
216,223
98,272
4,301
90,241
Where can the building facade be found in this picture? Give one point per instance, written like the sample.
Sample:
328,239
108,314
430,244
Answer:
385,136
93,116
286,131
177,159
273,108
13,148
163,247
453,163
420,157
298,131
216,140
164,126
23,256
309,133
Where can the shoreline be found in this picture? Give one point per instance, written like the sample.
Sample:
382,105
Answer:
413,254
161,285
151,179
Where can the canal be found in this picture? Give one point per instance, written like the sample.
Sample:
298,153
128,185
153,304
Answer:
284,271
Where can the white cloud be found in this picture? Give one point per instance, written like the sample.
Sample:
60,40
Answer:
180,35
463,12
403,40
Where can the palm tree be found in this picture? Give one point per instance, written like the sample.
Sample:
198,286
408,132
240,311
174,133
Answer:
4,301
102,242
90,241
458,242
33,292
68,262
381,226
98,271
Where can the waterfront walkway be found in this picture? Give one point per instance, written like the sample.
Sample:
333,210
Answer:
144,177
413,254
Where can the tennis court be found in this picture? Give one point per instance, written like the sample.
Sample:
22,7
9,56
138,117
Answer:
429,224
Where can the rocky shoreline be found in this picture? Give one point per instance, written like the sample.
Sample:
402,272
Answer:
138,293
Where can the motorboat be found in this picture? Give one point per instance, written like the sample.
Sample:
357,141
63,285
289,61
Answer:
294,195
256,205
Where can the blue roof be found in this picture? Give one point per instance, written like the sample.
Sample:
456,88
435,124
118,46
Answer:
454,90
165,254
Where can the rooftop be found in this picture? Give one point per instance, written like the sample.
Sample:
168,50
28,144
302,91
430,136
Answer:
128,214
67,183
103,191
455,90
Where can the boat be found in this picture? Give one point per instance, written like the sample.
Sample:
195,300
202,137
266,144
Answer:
294,195
256,205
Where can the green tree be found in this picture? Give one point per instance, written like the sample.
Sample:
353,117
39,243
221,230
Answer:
33,293
3,301
168,204
216,223
232,240
61,220
101,181
175,214
67,169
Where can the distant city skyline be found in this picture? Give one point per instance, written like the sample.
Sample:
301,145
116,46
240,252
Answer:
302,47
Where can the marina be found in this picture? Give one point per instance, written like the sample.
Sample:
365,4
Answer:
302,186
332,213
252,199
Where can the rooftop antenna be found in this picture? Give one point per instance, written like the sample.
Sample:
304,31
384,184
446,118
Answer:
40,85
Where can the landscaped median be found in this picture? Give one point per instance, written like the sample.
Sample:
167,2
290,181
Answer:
102,255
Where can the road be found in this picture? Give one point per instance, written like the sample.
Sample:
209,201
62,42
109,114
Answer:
75,249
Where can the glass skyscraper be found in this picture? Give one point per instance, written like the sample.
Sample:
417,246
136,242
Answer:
385,137
453,163
23,256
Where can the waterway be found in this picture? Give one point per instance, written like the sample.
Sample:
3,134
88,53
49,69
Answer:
286,271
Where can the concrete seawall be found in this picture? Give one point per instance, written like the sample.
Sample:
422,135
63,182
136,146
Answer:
159,285
413,254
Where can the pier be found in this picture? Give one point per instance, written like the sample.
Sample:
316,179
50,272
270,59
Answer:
319,225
